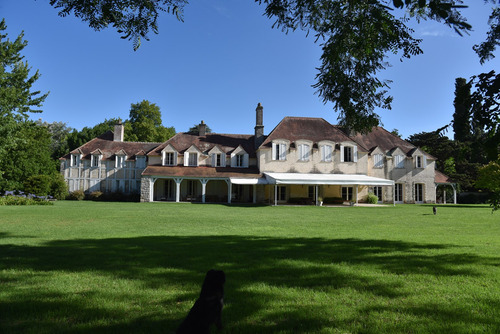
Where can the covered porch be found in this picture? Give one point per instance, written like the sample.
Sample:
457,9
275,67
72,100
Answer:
319,188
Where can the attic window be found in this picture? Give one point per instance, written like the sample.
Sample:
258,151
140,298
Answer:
120,161
74,160
95,160
378,161
399,161
326,153
420,161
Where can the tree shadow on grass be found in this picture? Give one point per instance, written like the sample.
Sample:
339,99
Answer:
257,270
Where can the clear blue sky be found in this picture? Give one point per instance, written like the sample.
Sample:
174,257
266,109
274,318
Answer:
222,61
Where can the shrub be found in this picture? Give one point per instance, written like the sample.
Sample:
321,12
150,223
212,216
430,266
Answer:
19,198
372,199
95,195
58,187
76,195
38,185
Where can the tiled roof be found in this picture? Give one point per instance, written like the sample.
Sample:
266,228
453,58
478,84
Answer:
201,171
442,178
306,128
386,141
109,148
226,142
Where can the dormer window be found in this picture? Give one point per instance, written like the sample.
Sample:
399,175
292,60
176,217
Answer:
95,160
420,161
140,162
191,159
120,161
218,160
239,160
279,151
304,152
326,153
399,161
169,159
74,160
348,153
378,161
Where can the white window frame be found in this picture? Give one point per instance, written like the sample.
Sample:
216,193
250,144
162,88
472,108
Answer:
169,158
95,160
75,160
420,161
378,160
353,150
279,152
120,161
239,160
399,161
218,160
191,159
326,153
304,152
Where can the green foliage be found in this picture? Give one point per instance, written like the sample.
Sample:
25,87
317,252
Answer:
27,154
372,198
77,195
145,124
489,178
17,99
16,96
355,36
23,200
132,19
38,185
485,50
58,187
196,129
463,110
95,195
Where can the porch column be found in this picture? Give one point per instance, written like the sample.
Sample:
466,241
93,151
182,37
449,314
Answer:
444,195
254,193
152,188
454,195
394,195
357,186
203,189
178,189
229,191
316,193
275,195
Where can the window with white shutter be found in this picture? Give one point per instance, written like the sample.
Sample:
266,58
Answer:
326,153
378,161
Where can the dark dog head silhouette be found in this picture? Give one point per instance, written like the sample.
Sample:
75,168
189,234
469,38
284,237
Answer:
207,309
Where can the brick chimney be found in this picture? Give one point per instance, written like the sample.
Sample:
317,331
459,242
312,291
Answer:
259,126
119,131
202,129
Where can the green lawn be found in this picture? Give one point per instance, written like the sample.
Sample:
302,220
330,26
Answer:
81,267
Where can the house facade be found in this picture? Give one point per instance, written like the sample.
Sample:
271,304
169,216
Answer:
302,160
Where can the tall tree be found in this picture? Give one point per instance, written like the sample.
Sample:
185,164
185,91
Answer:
17,99
355,36
145,123
28,155
463,110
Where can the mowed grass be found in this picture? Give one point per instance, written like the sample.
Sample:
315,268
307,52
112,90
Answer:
90,267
